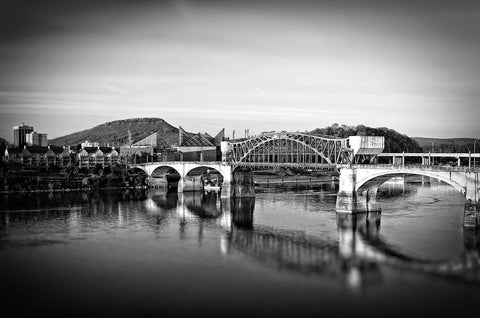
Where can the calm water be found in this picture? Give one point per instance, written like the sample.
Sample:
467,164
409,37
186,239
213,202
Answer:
285,252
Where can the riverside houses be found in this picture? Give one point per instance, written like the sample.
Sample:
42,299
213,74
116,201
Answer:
91,156
38,156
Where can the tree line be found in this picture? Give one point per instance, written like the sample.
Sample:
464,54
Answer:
394,141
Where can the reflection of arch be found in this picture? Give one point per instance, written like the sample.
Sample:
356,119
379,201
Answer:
289,147
359,236
203,205
375,180
164,199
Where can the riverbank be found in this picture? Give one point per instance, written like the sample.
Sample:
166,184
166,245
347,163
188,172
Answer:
67,180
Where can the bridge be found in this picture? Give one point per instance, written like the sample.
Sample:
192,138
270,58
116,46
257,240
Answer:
288,147
358,183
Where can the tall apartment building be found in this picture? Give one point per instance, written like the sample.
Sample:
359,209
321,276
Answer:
36,139
20,134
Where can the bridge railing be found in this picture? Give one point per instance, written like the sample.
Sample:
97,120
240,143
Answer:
314,165
321,166
159,163
414,166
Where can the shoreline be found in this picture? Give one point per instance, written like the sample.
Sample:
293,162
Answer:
258,182
74,190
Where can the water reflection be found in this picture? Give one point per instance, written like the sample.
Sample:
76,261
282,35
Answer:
355,258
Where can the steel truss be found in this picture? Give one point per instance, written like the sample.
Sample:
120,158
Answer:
290,147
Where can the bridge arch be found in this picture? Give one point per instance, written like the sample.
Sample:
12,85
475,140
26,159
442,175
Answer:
138,169
289,147
290,139
212,175
163,171
375,180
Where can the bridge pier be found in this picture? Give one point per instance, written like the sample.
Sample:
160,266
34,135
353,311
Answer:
241,185
180,185
471,217
349,200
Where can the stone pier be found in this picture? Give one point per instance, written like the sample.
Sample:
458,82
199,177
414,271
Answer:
241,185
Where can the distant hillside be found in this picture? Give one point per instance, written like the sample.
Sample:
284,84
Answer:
118,132
448,144
3,141
3,145
394,141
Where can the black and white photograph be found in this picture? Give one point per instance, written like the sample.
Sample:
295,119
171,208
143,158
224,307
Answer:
239,158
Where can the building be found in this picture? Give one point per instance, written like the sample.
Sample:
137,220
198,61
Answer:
20,134
36,139
88,143
153,145
199,147
92,156
35,155
189,147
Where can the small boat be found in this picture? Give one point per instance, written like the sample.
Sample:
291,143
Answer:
211,188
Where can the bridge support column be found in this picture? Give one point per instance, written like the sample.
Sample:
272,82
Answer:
351,201
471,218
241,185
181,184
226,191
347,197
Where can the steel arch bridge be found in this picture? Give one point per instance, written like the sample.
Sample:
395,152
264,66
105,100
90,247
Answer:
289,147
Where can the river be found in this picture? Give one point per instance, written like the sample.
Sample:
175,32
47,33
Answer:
285,252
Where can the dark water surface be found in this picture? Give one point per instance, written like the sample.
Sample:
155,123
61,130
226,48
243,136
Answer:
285,252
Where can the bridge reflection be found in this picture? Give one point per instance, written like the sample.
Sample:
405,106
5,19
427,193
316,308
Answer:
355,256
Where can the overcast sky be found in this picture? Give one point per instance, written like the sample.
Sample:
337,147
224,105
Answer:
413,66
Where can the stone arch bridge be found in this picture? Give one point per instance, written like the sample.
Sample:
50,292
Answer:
237,181
358,185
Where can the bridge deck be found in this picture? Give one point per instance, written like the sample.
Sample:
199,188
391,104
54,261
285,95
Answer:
313,165
430,154
444,168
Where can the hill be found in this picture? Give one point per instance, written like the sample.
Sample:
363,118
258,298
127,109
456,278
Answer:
118,132
394,141
448,144
3,142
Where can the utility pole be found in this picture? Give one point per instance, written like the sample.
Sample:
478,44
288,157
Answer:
433,150
474,153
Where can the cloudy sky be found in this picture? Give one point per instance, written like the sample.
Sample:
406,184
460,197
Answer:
413,66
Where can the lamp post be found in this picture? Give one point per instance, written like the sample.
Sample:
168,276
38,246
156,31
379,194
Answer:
433,150
474,152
